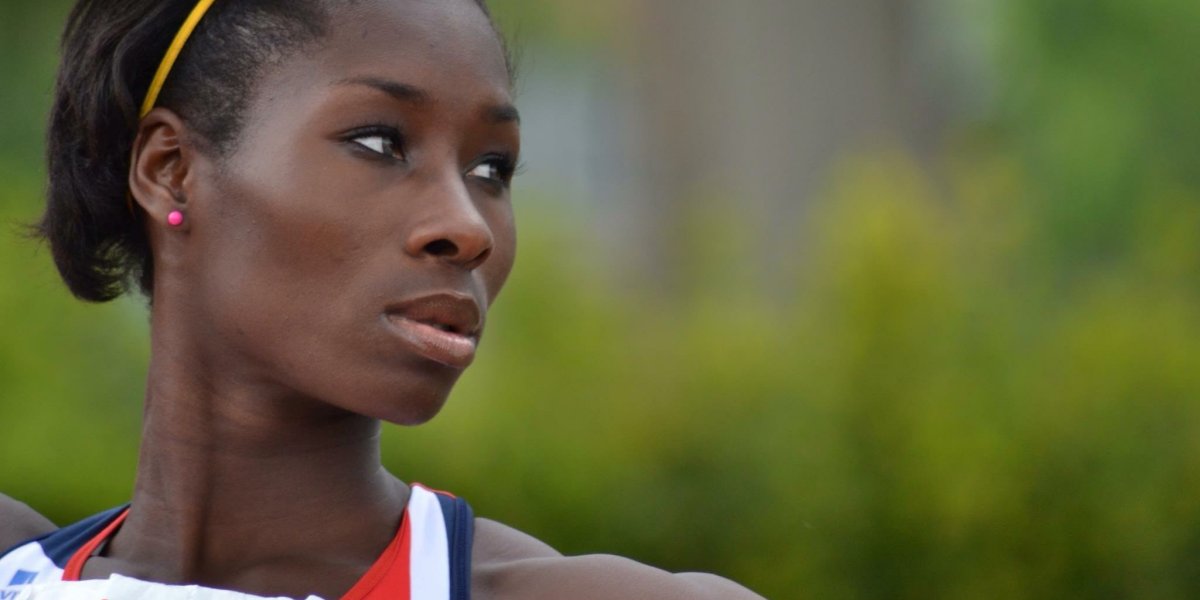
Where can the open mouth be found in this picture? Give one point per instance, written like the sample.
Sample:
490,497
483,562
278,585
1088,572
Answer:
442,327
436,341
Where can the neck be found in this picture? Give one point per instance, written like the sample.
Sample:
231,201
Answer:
236,475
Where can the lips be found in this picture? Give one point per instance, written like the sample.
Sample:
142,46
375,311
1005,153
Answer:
442,327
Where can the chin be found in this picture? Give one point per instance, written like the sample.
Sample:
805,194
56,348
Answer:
414,414
410,401
404,389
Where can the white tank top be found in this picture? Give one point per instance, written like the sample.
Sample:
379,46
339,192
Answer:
428,559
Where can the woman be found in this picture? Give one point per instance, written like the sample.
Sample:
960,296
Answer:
314,195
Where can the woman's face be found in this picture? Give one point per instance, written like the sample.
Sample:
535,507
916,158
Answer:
347,249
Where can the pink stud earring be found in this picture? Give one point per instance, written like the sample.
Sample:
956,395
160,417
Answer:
175,218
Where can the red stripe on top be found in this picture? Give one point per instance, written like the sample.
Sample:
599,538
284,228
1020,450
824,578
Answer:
387,579
75,566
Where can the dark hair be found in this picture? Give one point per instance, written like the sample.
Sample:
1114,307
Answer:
110,51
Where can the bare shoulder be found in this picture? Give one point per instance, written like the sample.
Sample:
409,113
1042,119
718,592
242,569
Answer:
511,564
18,523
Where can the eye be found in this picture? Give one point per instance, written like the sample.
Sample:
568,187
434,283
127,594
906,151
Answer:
382,141
376,143
498,170
487,170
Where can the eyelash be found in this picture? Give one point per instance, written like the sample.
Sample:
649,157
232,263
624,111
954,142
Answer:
506,166
388,133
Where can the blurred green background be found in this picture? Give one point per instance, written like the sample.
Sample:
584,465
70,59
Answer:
838,298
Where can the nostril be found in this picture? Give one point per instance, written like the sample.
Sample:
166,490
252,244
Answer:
467,252
442,247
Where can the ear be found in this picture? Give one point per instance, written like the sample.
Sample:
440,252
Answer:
161,161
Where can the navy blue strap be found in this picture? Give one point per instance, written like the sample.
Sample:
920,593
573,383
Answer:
460,533
61,544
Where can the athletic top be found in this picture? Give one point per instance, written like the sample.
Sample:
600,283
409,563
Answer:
429,559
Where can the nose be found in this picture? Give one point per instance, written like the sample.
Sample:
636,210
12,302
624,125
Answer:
453,230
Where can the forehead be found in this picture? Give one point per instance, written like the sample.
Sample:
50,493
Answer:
446,47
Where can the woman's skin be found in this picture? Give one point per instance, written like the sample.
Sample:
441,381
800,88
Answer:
284,316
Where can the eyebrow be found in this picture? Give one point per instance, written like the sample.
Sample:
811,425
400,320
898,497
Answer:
400,91
502,114
499,114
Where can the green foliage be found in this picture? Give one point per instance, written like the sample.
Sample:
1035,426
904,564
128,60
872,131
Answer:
70,377
984,389
565,25
1100,98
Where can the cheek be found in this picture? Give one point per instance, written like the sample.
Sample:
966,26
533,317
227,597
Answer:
283,241
288,209
500,264
279,262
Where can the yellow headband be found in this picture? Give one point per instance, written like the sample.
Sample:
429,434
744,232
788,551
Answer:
168,61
